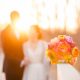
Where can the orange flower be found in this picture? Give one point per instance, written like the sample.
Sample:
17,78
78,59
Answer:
50,54
75,52
64,48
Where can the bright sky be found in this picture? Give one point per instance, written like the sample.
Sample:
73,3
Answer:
22,6
47,10
6,6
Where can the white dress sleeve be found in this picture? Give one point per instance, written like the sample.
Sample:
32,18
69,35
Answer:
46,61
25,49
45,48
24,61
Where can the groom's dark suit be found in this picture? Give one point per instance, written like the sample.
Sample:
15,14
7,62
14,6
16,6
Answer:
12,48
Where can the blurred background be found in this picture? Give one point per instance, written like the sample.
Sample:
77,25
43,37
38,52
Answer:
54,17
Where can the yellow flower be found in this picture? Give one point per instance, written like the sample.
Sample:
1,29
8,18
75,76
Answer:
68,58
61,37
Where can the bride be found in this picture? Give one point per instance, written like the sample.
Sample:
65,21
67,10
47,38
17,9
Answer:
34,52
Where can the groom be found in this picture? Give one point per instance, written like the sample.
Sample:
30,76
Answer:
12,48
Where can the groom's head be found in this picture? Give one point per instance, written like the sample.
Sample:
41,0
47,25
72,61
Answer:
14,16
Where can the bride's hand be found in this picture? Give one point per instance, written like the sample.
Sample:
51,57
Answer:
22,63
25,62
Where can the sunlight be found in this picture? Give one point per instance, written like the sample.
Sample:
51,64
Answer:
50,8
46,13
61,8
71,18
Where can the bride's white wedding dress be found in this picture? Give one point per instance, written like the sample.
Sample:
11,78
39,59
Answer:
63,72
36,69
67,72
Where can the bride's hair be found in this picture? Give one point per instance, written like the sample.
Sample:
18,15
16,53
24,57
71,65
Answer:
38,31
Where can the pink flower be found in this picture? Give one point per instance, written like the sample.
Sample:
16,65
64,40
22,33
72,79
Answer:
69,39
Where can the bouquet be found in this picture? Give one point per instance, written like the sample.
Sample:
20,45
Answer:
62,49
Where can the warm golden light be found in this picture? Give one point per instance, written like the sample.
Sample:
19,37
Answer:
46,13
